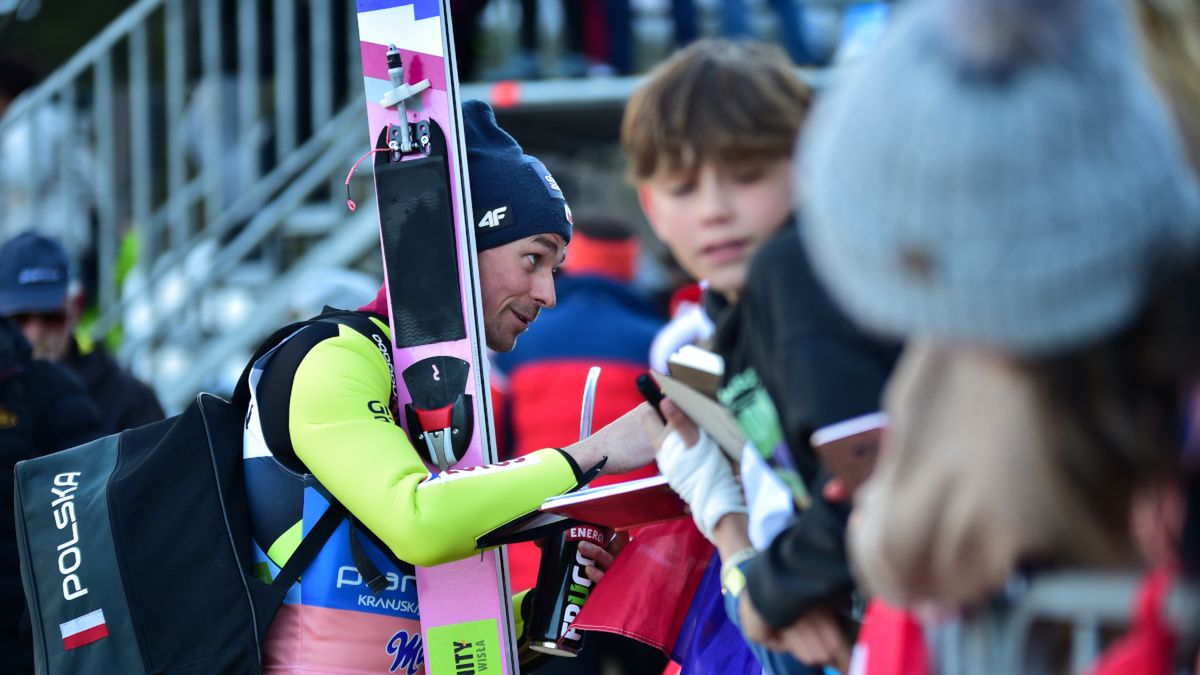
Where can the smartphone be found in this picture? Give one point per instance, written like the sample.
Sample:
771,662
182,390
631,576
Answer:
649,390
849,448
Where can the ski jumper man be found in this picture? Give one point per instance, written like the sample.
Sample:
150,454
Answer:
321,422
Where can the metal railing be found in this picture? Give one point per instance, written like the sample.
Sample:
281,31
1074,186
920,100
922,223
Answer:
184,124
1054,623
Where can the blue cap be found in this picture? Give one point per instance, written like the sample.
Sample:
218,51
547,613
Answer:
34,273
513,195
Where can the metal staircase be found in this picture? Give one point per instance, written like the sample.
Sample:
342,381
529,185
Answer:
218,141
216,136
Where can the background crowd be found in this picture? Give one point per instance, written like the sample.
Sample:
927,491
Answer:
988,227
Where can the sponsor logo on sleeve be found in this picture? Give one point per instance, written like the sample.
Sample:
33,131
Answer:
480,471
379,411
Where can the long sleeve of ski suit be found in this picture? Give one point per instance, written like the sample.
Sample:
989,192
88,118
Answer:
368,463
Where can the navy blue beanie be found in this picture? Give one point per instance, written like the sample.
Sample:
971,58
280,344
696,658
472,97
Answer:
512,194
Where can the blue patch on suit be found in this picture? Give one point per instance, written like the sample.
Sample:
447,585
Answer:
333,581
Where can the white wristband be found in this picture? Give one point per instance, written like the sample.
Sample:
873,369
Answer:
700,474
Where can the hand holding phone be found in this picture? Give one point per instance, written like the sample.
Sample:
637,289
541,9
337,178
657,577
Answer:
849,449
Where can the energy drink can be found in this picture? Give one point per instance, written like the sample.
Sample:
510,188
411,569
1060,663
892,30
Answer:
561,590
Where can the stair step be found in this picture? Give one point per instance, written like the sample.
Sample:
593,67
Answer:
314,219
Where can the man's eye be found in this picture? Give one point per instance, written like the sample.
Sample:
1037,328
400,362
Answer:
533,258
681,189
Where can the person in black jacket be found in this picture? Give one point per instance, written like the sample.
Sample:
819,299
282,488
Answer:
786,338
710,136
43,409
35,291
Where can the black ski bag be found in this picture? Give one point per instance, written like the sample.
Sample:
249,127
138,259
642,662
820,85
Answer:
136,548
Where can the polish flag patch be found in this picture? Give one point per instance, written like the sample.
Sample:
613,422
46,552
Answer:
83,630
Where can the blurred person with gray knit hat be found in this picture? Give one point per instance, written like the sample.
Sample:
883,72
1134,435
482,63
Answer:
1000,183
1001,172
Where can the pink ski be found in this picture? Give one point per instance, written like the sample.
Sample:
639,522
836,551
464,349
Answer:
414,120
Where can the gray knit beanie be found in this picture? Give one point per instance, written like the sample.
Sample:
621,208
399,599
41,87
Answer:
998,172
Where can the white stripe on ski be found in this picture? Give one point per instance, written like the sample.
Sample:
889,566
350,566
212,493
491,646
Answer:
397,25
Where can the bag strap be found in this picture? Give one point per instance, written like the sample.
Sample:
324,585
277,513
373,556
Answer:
370,572
241,392
325,526
329,521
309,546
356,320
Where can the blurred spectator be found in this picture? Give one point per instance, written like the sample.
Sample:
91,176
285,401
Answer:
735,23
522,64
36,292
795,363
1171,41
43,409
999,181
598,41
710,137
465,14
603,31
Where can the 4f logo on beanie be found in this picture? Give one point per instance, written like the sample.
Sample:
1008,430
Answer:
491,219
